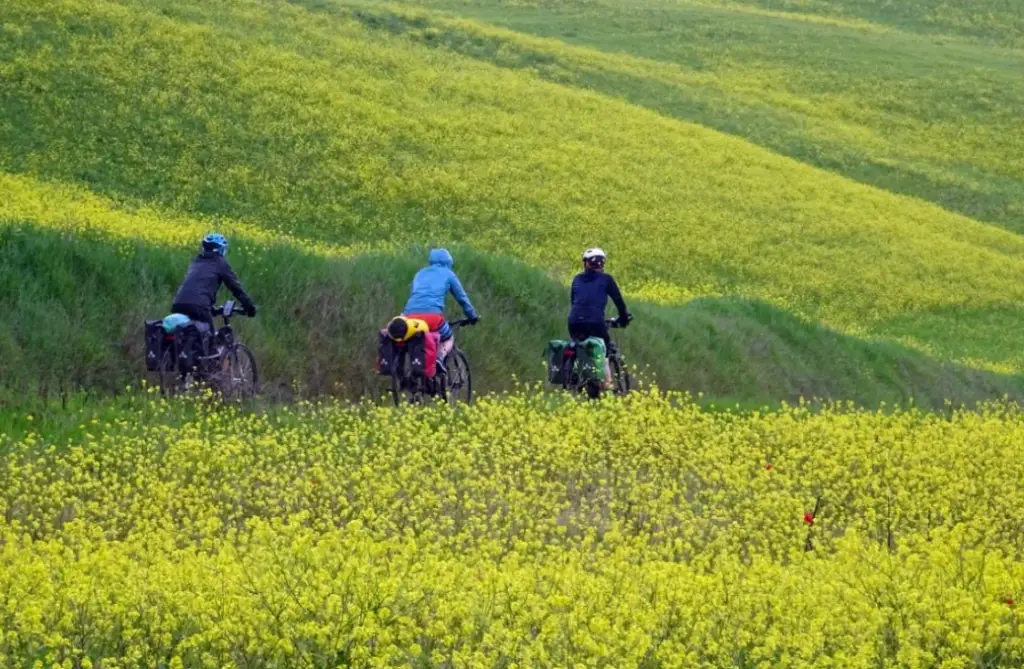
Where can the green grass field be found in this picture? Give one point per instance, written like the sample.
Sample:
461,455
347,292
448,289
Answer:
847,172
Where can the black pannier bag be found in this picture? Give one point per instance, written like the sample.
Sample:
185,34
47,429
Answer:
154,345
191,345
417,352
387,351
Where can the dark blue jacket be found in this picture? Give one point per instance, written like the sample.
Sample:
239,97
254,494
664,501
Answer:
202,281
589,295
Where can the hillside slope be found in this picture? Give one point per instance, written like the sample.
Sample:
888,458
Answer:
316,135
80,283
991,21
929,116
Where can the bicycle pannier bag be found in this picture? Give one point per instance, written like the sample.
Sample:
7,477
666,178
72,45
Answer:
555,357
191,345
154,344
423,353
432,341
387,349
590,355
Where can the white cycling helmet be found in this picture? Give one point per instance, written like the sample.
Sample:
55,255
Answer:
593,254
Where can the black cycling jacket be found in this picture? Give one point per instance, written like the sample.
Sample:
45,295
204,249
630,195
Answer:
203,279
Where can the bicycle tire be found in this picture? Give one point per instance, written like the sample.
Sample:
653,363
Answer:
568,369
459,378
239,385
169,379
623,384
396,379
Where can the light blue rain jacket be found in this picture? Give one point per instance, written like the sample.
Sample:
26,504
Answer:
432,284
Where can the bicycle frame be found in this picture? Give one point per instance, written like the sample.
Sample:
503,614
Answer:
223,336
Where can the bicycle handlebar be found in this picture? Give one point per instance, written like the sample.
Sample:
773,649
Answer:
232,312
614,323
462,322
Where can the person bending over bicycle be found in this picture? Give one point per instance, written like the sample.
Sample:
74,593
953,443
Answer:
428,291
588,298
207,271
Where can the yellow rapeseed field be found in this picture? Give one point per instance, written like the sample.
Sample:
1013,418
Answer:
521,532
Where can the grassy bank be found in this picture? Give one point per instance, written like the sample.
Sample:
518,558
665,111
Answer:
81,300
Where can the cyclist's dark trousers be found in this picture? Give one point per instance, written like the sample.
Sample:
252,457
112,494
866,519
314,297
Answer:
581,331
195,312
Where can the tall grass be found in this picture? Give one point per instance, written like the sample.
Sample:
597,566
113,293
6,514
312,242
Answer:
79,301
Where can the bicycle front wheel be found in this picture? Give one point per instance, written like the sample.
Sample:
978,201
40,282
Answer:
620,376
238,377
460,378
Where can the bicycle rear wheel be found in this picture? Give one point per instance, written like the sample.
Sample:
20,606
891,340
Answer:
170,379
397,376
460,378
238,376
570,381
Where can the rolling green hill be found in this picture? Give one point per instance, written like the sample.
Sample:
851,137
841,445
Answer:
841,195
933,119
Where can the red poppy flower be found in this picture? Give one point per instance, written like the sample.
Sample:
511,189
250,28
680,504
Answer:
769,467
809,518
1009,602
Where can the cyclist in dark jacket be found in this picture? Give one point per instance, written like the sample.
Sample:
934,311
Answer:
198,292
589,297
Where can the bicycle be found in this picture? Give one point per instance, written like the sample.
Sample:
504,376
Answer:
188,363
573,381
452,382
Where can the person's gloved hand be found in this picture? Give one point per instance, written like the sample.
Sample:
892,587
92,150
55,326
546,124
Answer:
625,320
474,319
250,311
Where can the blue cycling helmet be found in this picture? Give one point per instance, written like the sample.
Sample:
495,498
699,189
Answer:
215,242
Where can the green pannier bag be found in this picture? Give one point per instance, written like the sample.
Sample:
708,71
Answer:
555,357
590,355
